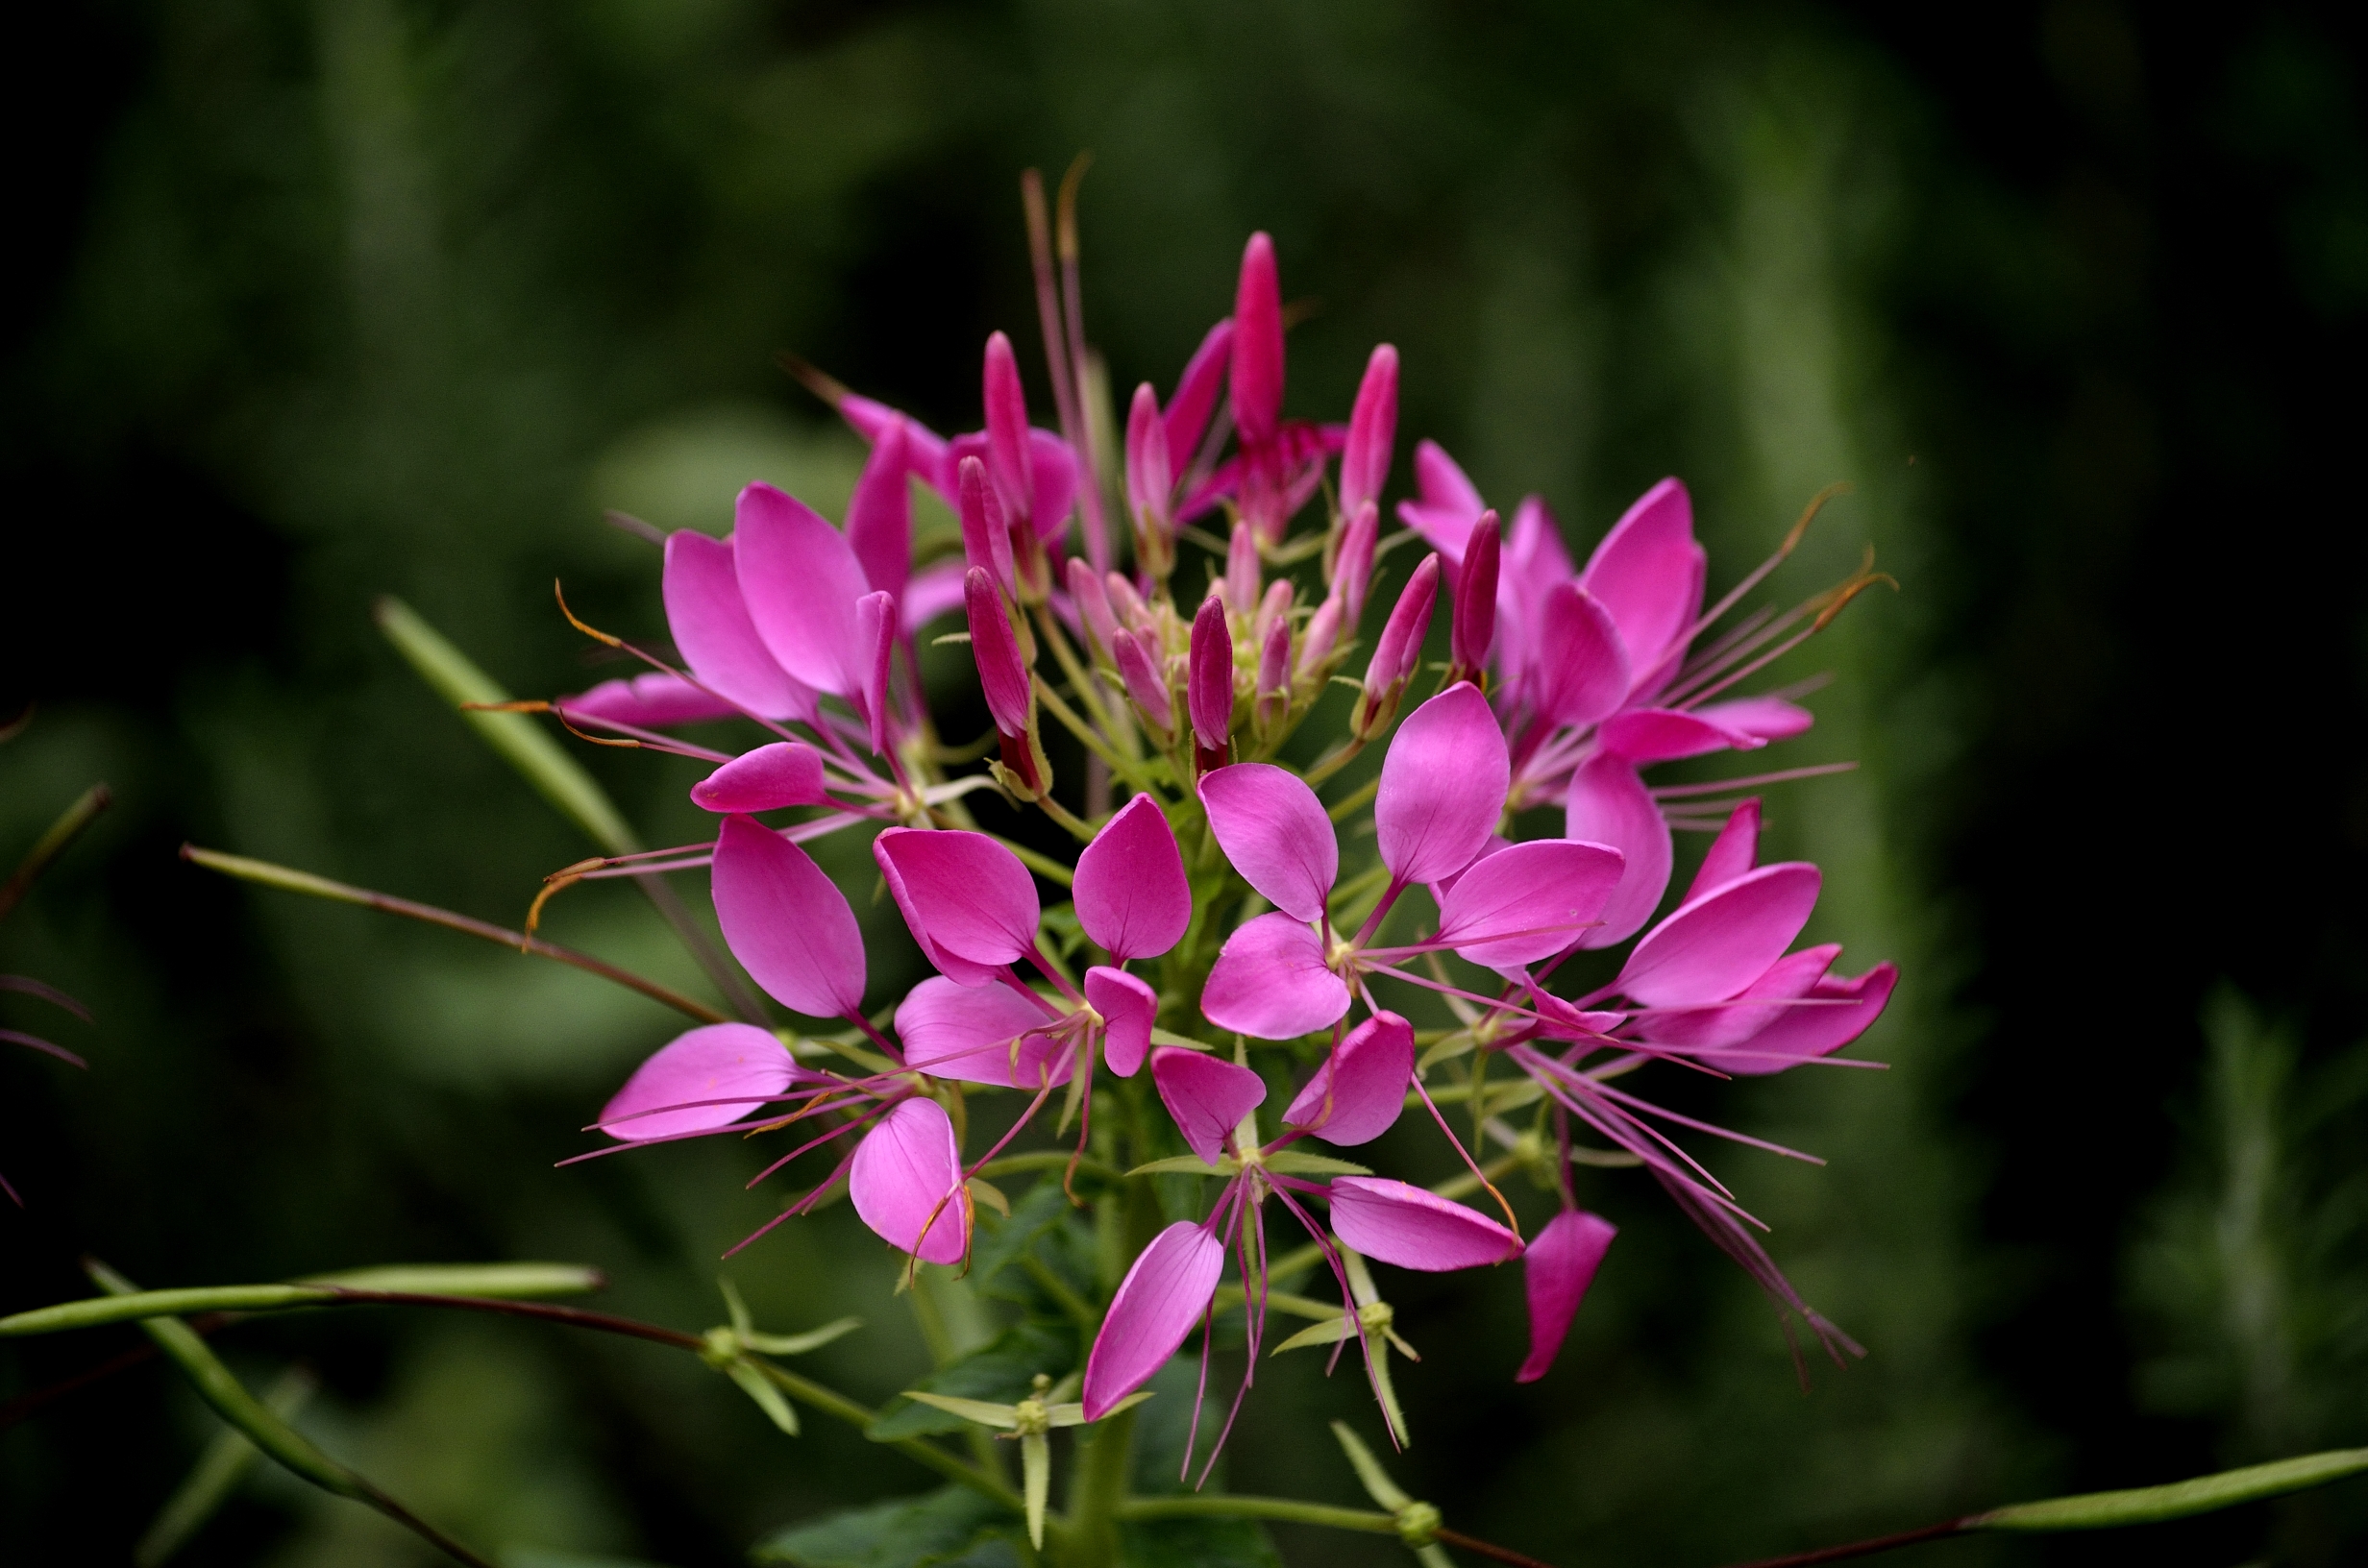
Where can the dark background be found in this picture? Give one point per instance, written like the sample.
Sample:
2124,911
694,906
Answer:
313,304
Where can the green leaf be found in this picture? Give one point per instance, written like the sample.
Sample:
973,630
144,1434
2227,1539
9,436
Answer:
1002,1371
952,1526
1331,1332
1182,1165
1169,1037
1000,1241
501,1282
1000,1416
1198,1543
2152,1505
1293,1163
524,744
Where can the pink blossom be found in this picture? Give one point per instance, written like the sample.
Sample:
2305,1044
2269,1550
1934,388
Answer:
1557,1269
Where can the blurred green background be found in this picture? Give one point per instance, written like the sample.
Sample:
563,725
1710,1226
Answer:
319,303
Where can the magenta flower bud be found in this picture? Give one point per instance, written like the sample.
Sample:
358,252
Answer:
1151,480
1007,434
1353,571
1242,570
1274,674
1002,672
1373,428
1476,601
1093,604
1274,606
986,542
1208,687
1323,630
1258,344
1129,606
1401,648
1137,654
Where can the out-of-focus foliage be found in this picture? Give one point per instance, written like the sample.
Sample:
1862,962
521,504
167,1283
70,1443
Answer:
363,296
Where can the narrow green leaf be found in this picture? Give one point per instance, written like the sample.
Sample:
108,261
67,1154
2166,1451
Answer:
1322,1333
522,743
2152,1505
1377,1482
503,1282
1182,1165
768,1398
140,1304
798,1344
219,1470
1296,1162
1169,1037
1003,1417
1035,1482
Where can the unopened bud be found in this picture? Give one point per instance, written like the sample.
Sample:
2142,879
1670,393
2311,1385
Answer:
1208,685
1474,628
986,541
1353,571
1323,630
1002,673
1398,651
1127,603
1243,575
1151,481
1372,430
1093,601
1273,676
1274,606
1007,437
1143,670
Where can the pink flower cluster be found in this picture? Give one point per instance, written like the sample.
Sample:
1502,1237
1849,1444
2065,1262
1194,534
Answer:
1211,900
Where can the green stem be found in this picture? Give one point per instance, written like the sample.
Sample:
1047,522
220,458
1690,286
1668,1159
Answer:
1093,740
289,880
1070,1302
1014,1165
1099,1494
830,1401
52,844
1042,864
1285,1510
1356,798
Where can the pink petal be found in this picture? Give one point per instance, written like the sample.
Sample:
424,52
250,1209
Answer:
1257,344
1207,1095
1769,717
964,894
1404,1225
1802,1033
1198,390
1650,735
657,700
1129,1008
1359,1090
906,1183
879,517
1735,852
1055,468
1270,982
1131,894
1276,834
1441,484
1442,786
1559,1266
1609,804
1649,574
924,448
1373,428
966,1031
713,1063
1156,1306
1208,687
1528,901
1533,562
784,773
1711,949
1009,450
1002,674
711,624
1791,977
801,582
787,924
1582,665
1093,601
933,590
